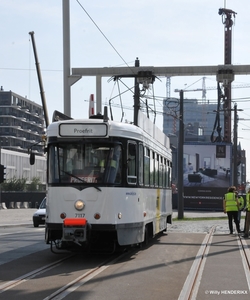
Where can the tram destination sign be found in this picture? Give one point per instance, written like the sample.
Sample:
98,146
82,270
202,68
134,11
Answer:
83,130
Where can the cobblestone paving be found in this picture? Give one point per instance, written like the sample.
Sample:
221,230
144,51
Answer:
201,226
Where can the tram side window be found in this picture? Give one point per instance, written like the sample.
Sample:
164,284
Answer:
140,159
156,169
132,178
160,171
170,173
167,174
164,168
152,168
146,166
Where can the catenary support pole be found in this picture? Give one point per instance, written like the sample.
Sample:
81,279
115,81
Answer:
180,160
66,58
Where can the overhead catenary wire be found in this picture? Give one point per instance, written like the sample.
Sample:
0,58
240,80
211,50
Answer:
103,34
146,97
114,48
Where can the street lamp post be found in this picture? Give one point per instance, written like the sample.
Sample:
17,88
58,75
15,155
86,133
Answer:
180,160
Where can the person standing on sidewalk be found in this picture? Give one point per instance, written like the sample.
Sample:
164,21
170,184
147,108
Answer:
231,208
241,206
247,208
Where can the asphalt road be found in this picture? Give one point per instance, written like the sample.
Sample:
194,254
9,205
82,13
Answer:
24,216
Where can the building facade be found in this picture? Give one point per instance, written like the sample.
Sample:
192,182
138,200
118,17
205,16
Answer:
21,127
21,123
200,126
199,118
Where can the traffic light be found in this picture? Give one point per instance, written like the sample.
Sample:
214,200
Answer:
2,173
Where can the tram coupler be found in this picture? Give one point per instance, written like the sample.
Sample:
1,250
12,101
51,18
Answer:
74,230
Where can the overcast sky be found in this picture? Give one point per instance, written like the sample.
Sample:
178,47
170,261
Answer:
159,33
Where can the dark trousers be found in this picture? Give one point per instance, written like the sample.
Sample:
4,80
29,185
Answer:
233,215
247,224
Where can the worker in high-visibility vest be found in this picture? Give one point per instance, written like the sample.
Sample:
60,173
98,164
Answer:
111,164
231,208
247,209
241,206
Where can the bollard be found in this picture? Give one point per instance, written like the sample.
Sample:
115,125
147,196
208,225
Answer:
25,205
17,204
4,205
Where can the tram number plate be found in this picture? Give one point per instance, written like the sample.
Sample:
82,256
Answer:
79,215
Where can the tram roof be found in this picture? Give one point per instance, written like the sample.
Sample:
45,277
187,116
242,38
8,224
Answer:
145,131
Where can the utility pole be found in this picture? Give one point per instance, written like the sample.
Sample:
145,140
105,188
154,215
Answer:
180,160
235,144
0,183
66,57
228,23
136,95
235,179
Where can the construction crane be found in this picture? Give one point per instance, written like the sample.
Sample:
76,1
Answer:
44,103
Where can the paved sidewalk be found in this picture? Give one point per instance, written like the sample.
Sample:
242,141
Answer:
14,217
200,214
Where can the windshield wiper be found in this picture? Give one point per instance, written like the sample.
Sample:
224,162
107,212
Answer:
82,180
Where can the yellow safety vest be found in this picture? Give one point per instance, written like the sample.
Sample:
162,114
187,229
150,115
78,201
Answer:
102,163
231,204
248,201
241,202
113,163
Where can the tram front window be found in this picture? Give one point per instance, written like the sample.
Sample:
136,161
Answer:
84,163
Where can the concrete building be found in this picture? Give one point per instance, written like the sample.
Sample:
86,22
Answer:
21,123
199,123
21,126
199,118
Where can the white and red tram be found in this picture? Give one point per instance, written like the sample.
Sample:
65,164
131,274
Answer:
107,182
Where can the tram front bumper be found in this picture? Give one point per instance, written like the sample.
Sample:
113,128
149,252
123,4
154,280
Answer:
74,230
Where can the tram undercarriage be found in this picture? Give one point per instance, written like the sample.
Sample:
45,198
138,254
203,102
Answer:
86,238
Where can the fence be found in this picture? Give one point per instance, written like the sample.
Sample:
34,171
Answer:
21,199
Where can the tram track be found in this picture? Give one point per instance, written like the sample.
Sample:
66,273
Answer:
12,283
77,274
192,283
70,286
82,279
197,267
245,255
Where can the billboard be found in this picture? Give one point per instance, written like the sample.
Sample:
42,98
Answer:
206,175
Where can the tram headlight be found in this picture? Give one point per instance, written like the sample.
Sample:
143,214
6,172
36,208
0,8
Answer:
119,215
79,205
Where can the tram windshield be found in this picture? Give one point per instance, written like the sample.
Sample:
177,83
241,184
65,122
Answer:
88,163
